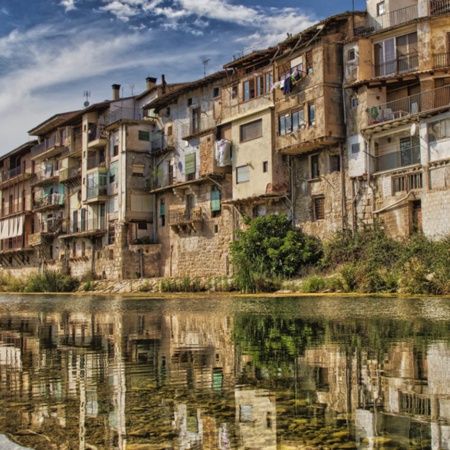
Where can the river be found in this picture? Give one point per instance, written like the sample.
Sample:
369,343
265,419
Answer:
219,373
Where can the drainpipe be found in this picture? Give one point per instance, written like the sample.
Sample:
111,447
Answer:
393,204
343,197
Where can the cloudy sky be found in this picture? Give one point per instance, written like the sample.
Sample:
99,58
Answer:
52,51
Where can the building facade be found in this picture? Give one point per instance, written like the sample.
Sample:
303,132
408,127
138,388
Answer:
339,126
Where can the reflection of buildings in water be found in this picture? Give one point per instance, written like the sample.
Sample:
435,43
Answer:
76,366
405,393
256,419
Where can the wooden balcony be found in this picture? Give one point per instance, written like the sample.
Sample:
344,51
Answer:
184,220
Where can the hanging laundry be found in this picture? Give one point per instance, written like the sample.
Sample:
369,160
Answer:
223,153
287,86
276,85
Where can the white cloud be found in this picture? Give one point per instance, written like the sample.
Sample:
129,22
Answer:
68,4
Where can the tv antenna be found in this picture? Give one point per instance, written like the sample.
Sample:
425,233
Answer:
205,63
86,95
132,87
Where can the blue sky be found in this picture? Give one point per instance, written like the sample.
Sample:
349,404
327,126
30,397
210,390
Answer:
51,51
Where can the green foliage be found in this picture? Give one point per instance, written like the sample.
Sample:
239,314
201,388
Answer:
185,284
270,250
51,281
314,283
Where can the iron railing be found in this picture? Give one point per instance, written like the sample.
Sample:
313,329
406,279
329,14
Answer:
403,64
398,158
49,200
96,131
180,216
394,18
160,141
16,207
97,191
68,174
95,162
406,106
195,127
441,60
53,141
12,173
84,225
438,7
15,243
123,113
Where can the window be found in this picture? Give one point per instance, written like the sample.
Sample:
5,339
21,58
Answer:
284,124
319,208
251,130
265,166
407,182
314,162
380,9
242,174
162,211
169,130
215,201
143,135
245,413
142,226
335,163
311,114
309,61
195,120
355,148
216,92
351,54
355,102
189,162
189,101
138,170
234,91
115,150
257,86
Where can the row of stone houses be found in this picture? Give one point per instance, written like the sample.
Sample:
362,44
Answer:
337,126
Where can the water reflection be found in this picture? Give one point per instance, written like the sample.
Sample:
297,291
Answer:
109,373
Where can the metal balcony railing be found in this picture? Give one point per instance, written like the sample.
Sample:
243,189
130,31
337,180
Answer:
48,174
206,122
51,142
95,161
96,131
83,226
438,7
123,114
49,200
403,64
17,207
16,243
97,191
441,60
12,173
51,226
398,158
159,142
394,18
68,174
413,104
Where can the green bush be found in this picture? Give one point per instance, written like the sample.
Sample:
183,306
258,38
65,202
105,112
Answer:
314,283
270,250
51,281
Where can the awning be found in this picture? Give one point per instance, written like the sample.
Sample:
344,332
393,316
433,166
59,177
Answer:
11,227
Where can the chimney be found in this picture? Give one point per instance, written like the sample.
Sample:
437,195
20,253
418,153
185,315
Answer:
151,82
163,82
115,91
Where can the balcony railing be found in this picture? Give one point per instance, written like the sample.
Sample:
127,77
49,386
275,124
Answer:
438,7
68,174
95,161
96,131
49,143
9,174
17,207
49,200
160,142
123,114
403,64
97,191
206,122
86,225
47,175
394,18
414,104
15,243
399,158
441,60
182,216
51,226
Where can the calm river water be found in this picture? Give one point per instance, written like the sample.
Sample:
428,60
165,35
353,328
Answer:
224,373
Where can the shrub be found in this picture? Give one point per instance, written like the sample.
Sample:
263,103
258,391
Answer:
314,283
50,281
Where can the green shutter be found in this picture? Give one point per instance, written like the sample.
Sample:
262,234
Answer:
144,135
215,200
189,162
162,209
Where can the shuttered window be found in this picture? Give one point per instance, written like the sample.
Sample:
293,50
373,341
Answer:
215,199
251,130
190,163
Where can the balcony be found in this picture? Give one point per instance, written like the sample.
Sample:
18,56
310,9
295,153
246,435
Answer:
47,177
96,135
399,158
50,201
401,65
70,175
439,7
96,162
399,111
394,18
195,128
85,228
123,114
160,143
14,208
96,193
186,220
15,244
12,176
48,229
441,60
50,147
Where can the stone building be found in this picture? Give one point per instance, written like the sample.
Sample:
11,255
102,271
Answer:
397,103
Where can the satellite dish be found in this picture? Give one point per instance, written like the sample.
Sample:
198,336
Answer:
86,104
413,129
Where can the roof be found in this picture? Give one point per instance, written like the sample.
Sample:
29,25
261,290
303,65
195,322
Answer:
158,86
169,97
51,123
21,149
77,116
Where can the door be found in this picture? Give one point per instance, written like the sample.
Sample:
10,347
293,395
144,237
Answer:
102,216
189,205
416,219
